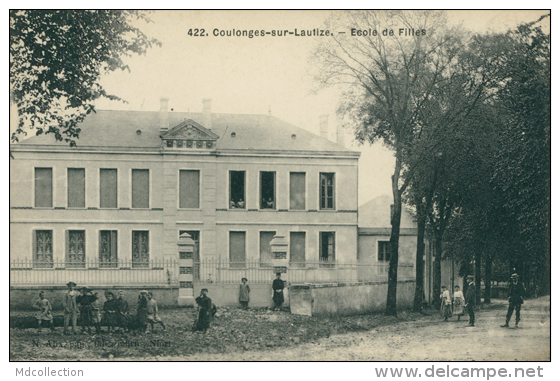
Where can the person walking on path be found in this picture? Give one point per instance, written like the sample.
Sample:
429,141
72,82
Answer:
70,308
458,303
44,306
516,296
244,291
445,303
278,292
471,299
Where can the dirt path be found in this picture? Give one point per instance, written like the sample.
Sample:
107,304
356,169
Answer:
427,339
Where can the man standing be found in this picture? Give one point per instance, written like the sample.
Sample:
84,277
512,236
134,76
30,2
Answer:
278,292
70,307
516,295
470,299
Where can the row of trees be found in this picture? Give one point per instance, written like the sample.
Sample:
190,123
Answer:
468,117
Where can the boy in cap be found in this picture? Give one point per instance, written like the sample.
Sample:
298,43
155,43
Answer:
470,299
70,308
516,295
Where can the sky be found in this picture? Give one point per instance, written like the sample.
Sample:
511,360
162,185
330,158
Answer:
254,75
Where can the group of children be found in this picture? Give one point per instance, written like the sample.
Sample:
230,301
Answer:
455,306
115,312
87,305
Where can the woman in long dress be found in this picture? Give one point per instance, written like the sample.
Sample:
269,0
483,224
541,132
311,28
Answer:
445,303
244,291
458,303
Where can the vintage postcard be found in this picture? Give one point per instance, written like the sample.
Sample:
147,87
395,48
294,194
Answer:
280,186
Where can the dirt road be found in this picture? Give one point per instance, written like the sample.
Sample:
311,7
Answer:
428,339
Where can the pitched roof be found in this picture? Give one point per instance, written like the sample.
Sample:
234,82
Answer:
376,213
118,129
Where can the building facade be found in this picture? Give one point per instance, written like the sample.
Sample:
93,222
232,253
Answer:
111,210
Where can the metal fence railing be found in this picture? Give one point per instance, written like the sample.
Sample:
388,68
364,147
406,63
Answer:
165,271
224,271
153,272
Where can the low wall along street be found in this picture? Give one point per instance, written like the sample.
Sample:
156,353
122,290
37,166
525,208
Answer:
327,299
347,299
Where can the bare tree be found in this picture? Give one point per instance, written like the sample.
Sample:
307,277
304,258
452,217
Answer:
392,64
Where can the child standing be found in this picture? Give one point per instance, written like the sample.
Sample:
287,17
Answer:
445,303
204,311
244,291
70,308
84,304
95,316
152,310
45,308
458,302
123,319
142,310
110,311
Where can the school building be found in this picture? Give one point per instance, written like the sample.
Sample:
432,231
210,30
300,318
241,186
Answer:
112,212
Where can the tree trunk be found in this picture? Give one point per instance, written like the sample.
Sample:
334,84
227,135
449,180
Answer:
391,307
477,274
437,268
420,250
487,278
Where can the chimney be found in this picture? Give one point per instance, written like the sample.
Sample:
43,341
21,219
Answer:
340,133
324,126
206,113
163,116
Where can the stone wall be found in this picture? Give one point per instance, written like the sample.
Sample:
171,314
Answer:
348,299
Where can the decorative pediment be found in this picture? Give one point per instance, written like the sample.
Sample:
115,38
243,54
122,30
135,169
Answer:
189,130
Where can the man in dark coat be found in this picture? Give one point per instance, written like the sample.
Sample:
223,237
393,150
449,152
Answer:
204,311
516,295
470,299
278,292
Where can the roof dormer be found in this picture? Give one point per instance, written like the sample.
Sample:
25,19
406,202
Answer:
189,135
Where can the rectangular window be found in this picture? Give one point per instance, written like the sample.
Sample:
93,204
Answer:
297,249
195,235
237,249
297,190
237,189
43,249
108,188
76,248
43,188
327,247
140,248
76,187
189,189
383,250
265,250
141,188
108,248
268,193
327,190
